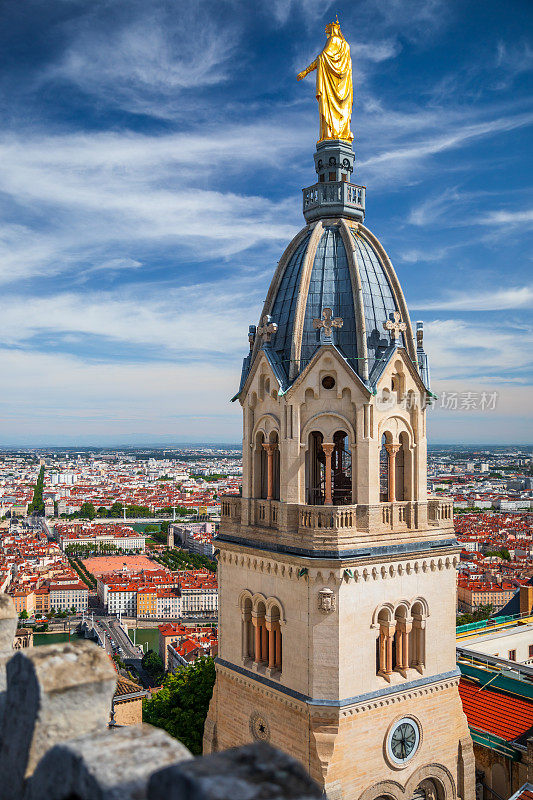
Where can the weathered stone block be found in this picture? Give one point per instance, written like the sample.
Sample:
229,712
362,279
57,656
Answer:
54,693
254,772
113,765
8,627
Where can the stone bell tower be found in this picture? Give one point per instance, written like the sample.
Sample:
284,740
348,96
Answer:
336,570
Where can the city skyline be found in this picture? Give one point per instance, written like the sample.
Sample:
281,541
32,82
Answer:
153,174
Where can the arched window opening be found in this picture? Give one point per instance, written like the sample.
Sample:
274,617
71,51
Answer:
269,467
404,472
316,474
341,464
247,630
260,634
386,659
274,657
429,790
417,656
399,466
402,641
383,471
260,467
273,440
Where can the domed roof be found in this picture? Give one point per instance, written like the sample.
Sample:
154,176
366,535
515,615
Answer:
333,269
335,285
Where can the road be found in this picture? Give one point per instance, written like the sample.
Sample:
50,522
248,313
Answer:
117,637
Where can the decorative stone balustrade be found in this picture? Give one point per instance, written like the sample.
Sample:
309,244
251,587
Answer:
327,517
332,198
266,513
440,511
55,743
333,528
230,507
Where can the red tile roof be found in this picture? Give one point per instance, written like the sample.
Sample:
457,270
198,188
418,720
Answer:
525,794
504,715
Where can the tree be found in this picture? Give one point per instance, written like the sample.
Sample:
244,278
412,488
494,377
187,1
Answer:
153,664
180,707
23,614
115,510
502,553
87,511
480,613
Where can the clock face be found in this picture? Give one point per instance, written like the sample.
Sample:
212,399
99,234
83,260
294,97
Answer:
403,740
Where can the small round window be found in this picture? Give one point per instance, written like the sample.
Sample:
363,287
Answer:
328,382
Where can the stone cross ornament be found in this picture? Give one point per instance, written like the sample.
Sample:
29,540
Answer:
395,326
328,322
268,327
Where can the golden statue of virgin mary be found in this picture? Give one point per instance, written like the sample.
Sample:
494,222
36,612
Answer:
334,87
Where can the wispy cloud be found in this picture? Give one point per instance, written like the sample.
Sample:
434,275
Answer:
496,300
463,350
399,160
190,322
511,218
120,191
512,60
311,9
145,61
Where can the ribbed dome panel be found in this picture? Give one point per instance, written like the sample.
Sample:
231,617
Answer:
312,280
330,287
378,299
284,309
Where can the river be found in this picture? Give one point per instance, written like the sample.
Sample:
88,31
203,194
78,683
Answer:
52,638
148,636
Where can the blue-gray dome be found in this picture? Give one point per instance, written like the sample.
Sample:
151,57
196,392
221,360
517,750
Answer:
336,268
335,286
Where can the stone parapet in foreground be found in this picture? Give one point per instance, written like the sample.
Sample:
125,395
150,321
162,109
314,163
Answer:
55,743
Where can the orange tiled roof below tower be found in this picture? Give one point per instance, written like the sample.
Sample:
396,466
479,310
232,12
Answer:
504,715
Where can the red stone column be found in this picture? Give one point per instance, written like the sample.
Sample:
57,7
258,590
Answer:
328,448
399,648
264,642
270,450
382,651
387,631
271,645
257,639
392,449
278,647
405,634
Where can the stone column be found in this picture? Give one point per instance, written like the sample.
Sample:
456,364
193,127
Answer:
278,647
257,639
264,642
271,646
246,617
389,644
399,648
421,654
382,650
406,632
403,628
392,449
387,639
270,450
328,448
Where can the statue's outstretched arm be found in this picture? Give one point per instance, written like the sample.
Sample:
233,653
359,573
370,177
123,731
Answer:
307,70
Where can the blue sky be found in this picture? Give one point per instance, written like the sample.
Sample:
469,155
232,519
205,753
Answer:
153,155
